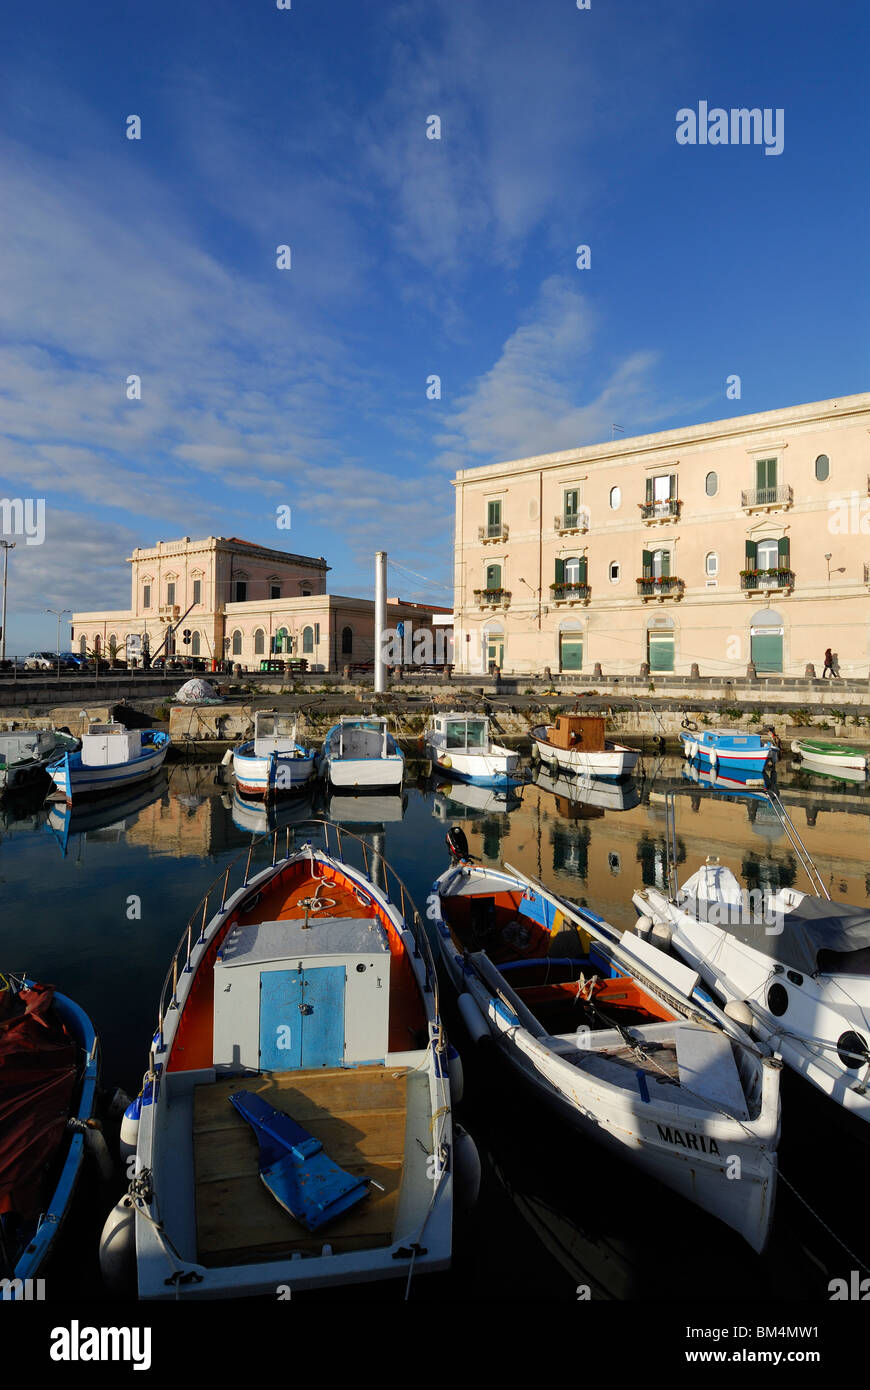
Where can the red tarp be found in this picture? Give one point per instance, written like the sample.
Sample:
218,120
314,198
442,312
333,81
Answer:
39,1066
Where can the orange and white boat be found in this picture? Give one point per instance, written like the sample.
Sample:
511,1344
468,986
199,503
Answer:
294,1129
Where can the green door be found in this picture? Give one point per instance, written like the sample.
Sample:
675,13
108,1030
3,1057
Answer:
660,647
571,651
767,651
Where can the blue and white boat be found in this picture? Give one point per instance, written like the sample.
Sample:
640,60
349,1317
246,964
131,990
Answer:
110,757
361,752
461,746
50,1059
726,751
272,761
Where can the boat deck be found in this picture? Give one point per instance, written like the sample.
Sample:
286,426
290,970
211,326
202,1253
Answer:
359,1115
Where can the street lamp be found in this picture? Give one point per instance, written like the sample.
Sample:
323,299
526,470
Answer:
840,570
58,612
7,546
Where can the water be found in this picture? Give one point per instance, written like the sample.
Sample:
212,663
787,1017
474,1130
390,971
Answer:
96,905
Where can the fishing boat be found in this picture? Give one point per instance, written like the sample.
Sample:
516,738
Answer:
576,743
111,757
294,1128
26,753
605,1029
819,755
360,752
461,746
725,750
272,761
795,966
49,1065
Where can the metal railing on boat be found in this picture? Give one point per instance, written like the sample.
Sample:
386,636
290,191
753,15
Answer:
817,883
296,837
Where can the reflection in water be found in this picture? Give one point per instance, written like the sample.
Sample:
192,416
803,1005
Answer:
580,841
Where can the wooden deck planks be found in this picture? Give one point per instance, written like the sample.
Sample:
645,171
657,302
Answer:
358,1114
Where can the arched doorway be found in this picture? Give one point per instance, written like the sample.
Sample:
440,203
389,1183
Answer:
570,646
766,632
660,644
493,646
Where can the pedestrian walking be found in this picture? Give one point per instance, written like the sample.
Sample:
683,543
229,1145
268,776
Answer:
829,665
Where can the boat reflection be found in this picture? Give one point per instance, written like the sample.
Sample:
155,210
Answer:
256,816
587,798
109,818
464,800
367,810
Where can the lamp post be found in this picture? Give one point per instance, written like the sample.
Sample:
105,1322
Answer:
58,612
841,569
7,546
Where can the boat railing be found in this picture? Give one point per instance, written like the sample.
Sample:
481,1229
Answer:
294,838
817,883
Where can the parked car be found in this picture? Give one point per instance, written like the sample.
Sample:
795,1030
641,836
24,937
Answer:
40,661
162,663
74,659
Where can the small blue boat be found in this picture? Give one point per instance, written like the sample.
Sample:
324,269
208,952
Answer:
111,757
727,751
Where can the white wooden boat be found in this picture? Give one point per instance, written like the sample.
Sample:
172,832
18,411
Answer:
111,757
825,756
26,753
360,752
576,743
272,761
607,1033
797,966
313,991
461,746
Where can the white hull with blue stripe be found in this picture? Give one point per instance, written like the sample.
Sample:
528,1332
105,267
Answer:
273,774
361,753
80,774
722,749
460,746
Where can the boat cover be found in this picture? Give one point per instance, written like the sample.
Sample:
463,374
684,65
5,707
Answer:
817,937
39,1068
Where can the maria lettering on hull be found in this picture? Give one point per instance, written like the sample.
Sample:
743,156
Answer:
688,1140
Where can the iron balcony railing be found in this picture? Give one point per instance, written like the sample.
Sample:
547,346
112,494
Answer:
496,532
781,496
768,579
571,521
666,586
563,592
664,509
492,597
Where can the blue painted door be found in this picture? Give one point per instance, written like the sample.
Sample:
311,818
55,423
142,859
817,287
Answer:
302,1018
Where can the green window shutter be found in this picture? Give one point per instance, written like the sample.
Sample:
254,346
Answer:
493,576
751,555
649,490
760,473
493,514
783,548
666,564
647,564
560,571
673,485
582,575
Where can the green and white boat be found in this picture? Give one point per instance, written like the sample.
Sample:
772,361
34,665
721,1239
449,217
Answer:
824,756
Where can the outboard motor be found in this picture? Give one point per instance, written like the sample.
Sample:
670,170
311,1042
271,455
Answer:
457,843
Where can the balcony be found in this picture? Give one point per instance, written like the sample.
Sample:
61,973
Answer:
570,593
169,611
753,581
665,587
499,532
492,598
572,522
663,509
768,499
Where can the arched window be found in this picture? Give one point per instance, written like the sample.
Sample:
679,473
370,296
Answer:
346,641
194,645
97,644
237,643
259,642
711,565
113,642
615,498
83,646
308,639
823,468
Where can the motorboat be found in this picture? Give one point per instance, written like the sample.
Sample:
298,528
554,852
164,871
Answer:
576,743
26,753
359,753
461,746
273,761
111,757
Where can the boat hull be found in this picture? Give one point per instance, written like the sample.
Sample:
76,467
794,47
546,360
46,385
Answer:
611,765
830,760
72,779
738,759
497,768
273,775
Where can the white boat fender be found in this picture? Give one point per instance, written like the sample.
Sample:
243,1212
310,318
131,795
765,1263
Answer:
740,1012
456,1075
643,927
227,758
466,1169
130,1129
477,1026
660,936
118,1246
714,759
95,1145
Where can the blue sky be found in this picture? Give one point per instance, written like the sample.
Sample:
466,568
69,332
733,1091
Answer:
410,257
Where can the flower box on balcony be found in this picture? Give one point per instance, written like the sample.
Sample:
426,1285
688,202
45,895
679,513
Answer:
492,598
570,593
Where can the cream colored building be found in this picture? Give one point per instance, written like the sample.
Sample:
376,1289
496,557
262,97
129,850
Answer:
742,540
240,602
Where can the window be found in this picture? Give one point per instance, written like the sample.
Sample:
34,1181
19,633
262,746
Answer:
241,591
347,641
259,642
308,639
274,591
768,555
823,468
463,733
711,484
765,479
317,634
146,596
493,518
197,591
83,646
615,498
493,576
170,592
305,591
572,571
711,565
613,572
237,643
194,645
282,642
661,491
571,507
661,564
